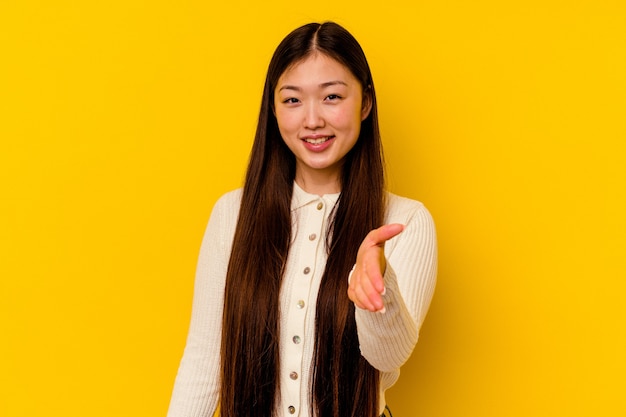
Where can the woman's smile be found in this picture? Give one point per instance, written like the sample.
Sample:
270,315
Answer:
317,143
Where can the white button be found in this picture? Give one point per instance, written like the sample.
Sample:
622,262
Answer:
300,304
293,375
312,236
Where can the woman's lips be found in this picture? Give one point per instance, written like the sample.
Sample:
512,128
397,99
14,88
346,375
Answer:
317,143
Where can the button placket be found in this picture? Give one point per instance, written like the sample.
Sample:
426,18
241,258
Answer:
304,275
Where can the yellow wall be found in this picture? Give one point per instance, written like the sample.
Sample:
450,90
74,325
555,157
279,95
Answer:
121,122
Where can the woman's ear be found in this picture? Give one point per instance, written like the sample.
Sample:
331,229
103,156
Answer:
366,106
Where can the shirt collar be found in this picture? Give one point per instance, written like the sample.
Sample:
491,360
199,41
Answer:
301,198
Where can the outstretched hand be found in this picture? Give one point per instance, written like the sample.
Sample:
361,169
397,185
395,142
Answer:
366,285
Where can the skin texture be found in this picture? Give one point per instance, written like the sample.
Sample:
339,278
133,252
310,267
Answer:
319,98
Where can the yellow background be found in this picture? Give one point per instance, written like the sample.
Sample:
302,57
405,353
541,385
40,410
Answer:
121,123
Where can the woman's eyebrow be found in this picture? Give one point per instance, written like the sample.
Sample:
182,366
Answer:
289,87
331,83
322,85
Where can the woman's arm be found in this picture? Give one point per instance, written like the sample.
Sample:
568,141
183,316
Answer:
407,271
196,390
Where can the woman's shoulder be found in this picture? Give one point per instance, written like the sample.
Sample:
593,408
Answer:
399,204
402,209
230,199
227,205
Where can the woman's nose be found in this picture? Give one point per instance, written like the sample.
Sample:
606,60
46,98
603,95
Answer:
313,117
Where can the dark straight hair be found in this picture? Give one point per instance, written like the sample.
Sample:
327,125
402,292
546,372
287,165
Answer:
344,383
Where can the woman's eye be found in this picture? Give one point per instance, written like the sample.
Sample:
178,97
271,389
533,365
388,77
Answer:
291,100
333,97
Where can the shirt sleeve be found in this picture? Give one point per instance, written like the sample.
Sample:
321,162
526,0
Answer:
196,389
387,339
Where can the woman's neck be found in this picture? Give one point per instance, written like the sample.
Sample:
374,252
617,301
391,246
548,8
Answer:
318,184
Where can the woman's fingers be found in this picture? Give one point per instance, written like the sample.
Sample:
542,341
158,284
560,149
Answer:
379,236
366,284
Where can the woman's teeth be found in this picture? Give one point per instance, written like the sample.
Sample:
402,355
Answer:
318,140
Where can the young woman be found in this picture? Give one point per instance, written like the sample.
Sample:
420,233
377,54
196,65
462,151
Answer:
313,281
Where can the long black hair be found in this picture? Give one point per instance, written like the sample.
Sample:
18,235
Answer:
344,383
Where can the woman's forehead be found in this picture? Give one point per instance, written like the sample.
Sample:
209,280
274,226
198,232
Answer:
316,68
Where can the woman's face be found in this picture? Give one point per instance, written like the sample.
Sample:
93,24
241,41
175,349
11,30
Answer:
319,108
